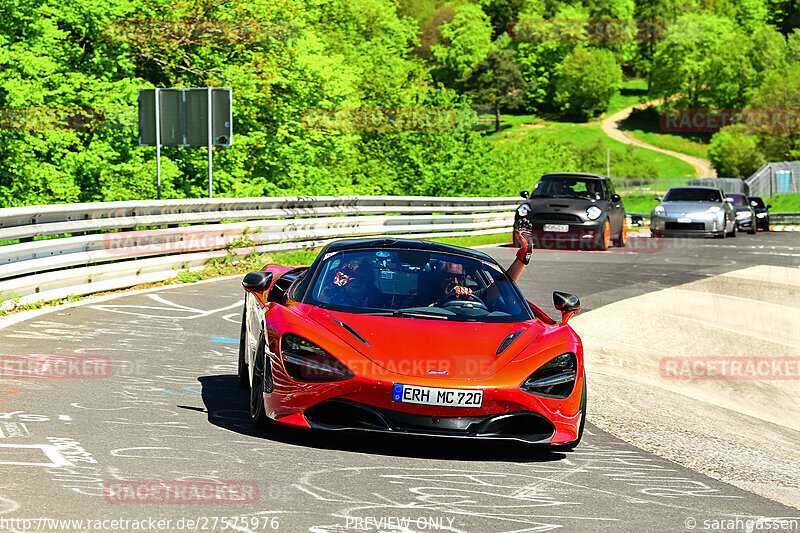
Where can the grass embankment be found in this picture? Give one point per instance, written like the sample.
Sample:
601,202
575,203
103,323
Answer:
589,143
632,92
232,265
784,203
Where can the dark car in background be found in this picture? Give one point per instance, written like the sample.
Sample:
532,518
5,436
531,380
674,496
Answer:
701,211
762,212
573,209
745,215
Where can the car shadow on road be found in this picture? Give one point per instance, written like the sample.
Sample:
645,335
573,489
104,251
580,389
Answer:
228,407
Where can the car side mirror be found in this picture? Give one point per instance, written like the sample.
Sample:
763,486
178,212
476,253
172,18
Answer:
257,282
566,303
769,206
729,200
616,197
524,194
658,198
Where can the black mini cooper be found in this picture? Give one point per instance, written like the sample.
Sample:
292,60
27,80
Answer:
565,210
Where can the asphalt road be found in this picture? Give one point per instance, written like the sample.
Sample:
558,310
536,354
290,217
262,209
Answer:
170,410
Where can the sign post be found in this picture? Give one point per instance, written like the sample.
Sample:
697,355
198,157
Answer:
186,117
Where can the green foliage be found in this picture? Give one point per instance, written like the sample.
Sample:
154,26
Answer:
734,153
502,13
465,41
588,80
496,82
703,61
780,93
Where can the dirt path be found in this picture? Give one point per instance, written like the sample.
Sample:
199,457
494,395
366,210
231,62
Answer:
612,126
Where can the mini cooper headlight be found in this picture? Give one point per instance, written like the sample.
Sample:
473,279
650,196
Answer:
555,378
594,212
659,210
307,362
761,215
523,210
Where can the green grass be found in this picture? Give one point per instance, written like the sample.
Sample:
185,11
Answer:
644,126
784,203
632,92
639,203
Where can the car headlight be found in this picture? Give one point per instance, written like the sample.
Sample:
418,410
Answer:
761,215
523,210
594,212
742,215
659,210
713,209
555,378
307,362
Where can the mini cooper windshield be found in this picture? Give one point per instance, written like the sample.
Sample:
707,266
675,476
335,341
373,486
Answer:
568,187
416,284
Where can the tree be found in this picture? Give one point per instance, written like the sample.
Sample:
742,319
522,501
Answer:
780,95
703,61
734,152
589,78
465,41
769,52
793,46
502,13
496,81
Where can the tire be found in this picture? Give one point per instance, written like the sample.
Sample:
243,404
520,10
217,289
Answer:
604,240
754,228
569,446
262,383
622,239
243,376
732,234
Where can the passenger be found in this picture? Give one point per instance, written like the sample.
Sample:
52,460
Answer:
353,285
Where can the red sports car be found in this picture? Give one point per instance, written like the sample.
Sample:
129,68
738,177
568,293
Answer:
413,337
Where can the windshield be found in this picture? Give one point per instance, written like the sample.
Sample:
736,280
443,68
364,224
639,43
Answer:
738,199
416,284
758,201
565,187
691,194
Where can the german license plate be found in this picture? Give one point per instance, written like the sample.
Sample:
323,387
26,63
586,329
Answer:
559,228
433,396
683,220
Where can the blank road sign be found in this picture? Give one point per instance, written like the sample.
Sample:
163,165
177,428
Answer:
184,117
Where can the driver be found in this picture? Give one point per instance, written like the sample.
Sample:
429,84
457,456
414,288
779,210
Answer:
453,275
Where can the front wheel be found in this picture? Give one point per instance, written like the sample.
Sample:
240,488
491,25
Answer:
244,348
605,237
262,383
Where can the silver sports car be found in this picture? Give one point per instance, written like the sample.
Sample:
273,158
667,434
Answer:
694,211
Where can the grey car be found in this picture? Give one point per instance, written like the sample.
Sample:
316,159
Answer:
703,211
745,214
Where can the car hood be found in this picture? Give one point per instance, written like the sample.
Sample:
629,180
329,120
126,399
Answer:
689,207
429,348
539,205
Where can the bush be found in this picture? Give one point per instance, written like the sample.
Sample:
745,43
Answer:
734,153
589,78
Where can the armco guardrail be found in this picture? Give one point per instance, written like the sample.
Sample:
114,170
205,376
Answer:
119,244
